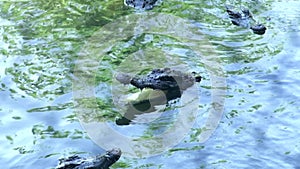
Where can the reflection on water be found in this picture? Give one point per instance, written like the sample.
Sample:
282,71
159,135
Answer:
39,44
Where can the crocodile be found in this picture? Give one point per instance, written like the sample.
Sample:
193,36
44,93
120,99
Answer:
245,19
170,82
140,4
97,162
165,79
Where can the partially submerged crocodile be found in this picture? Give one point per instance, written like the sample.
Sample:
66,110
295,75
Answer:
171,83
163,79
140,4
97,162
245,19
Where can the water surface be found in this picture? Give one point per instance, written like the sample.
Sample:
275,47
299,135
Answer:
41,42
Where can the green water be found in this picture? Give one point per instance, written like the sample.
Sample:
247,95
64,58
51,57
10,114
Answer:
44,46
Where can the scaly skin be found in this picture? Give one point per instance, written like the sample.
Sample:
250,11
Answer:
98,162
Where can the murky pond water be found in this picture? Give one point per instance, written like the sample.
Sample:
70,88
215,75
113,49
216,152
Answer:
44,46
